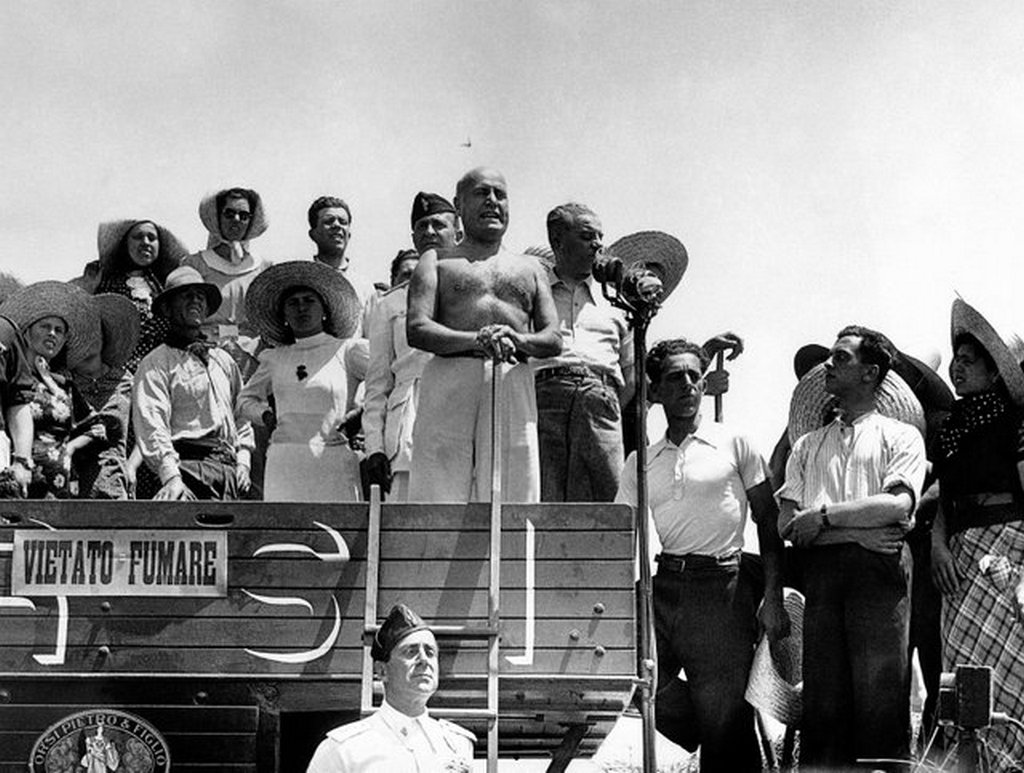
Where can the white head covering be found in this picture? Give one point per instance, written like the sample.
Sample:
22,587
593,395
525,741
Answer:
240,259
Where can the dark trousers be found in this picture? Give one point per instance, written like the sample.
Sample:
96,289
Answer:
705,622
856,675
579,425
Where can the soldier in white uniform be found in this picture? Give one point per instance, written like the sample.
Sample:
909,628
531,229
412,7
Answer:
389,410
401,737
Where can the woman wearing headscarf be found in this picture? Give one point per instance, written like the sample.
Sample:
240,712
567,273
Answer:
61,328
233,217
303,388
978,536
135,258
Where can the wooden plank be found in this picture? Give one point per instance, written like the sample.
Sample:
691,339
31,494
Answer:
196,660
167,719
288,516
261,574
296,632
470,603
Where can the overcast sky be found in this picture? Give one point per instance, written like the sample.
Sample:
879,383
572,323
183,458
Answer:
823,162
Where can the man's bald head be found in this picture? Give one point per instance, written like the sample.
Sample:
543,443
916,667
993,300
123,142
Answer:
473,176
481,199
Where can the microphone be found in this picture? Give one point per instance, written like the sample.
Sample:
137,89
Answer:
635,283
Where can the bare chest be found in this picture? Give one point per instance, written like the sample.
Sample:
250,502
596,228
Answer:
471,283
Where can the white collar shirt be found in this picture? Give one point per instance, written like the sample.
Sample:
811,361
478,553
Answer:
697,491
594,333
843,462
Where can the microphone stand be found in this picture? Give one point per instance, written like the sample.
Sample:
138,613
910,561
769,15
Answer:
639,313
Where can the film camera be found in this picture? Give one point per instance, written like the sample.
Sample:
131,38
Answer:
965,697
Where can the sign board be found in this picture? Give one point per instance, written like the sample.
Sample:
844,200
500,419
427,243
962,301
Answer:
118,562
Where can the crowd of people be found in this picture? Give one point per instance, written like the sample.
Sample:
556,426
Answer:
221,375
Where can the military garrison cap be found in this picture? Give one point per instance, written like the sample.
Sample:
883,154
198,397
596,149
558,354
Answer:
401,622
429,204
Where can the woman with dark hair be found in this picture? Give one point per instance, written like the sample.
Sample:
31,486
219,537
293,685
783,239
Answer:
978,535
233,217
303,388
61,328
135,258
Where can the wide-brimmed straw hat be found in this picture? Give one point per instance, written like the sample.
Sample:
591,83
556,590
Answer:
179,279
1006,353
665,255
544,254
58,299
812,407
263,298
120,324
110,236
776,681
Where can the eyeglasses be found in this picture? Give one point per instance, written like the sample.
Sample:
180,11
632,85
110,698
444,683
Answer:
235,214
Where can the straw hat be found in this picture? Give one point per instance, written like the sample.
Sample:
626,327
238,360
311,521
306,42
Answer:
58,299
776,681
186,276
811,406
263,298
110,235
663,254
964,318
120,324
544,254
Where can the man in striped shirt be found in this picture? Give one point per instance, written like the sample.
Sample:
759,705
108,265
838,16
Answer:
849,497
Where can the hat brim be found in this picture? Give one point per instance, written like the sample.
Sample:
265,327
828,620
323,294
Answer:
210,218
775,685
811,405
211,291
263,299
120,325
111,234
964,318
66,301
665,255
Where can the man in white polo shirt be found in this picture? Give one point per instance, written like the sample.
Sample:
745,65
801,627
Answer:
703,481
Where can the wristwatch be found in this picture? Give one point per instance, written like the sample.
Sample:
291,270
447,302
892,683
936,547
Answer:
825,522
24,461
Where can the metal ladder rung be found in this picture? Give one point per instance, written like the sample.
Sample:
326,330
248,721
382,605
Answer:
446,713
451,631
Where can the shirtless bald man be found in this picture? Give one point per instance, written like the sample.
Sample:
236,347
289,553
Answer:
467,304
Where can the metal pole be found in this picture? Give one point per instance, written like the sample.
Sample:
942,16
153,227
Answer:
494,587
719,411
648,667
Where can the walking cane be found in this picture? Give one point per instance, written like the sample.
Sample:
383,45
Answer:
719,413
493,660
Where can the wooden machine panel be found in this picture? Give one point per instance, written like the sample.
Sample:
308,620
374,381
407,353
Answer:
287,633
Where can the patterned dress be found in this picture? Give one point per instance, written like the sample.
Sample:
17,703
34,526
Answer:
982,624
140,289
55,408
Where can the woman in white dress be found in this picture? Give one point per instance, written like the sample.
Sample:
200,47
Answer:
303,388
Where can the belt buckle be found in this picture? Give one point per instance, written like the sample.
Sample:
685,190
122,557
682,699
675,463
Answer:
672,563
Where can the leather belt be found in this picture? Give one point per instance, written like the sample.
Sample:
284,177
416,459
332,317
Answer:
577,372
985,499
695,561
